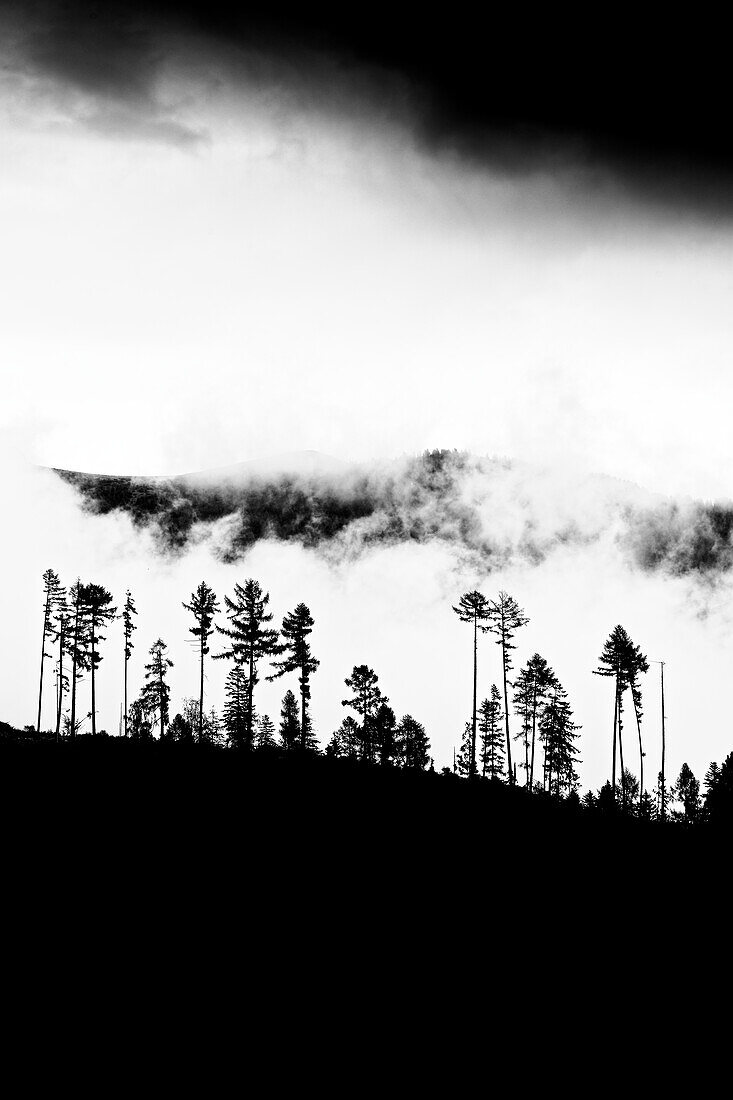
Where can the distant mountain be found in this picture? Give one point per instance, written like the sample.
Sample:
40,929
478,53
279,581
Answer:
491,511
299,463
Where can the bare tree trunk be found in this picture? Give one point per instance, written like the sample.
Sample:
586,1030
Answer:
506,710
61,683
641,754
472,761
250,696
534,726
72,731
664,791
125,687
94,704
302,716
160,699
201,690
526,753
621,752
615,719
43,660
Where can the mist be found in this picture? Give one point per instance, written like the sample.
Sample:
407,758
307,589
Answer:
387,604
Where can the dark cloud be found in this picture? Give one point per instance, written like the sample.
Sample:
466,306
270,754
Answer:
110,57
490,512
518,88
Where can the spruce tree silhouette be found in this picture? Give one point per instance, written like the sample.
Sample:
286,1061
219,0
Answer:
505,617
413,745
237,706
289,722
473,609
60,634
155,695
203,607
265,732
100,612
623,661
492,737
251,638
531,689
78,645
687,791
366,701
296,629
128,626
558,734
385,723
52,594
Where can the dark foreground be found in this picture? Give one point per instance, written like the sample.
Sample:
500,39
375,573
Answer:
130,821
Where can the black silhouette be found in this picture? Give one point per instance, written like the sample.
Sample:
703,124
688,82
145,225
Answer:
473,608
366,701
295,631
251,638
128,626
492,738
203,607
99,612
155,696
52,593
505,617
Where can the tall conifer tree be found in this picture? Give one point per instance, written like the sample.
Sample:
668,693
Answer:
155,695
203,607
51,595
473,609
100,612
296,629
250,636
505,617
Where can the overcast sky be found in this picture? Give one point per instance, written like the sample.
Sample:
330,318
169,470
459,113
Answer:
211,258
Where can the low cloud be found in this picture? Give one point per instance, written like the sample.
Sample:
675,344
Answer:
492,513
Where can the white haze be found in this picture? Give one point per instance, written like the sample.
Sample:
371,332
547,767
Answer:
304,275
253,271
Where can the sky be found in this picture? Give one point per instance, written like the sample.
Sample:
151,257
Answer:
222,243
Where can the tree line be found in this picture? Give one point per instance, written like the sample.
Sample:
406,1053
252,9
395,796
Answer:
73,637
529,710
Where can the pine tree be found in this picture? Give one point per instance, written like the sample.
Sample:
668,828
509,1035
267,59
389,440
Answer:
180,730
366,701
621,660
492,737
505,617
462,763
128,626
51,595
155,695
140,726
687,791
346,740
60,633
203,607
473,608
265,732
251,639
531,689
237,706
384,729
289,722
636,664
558,733
295,631
413,745
100,612
78,646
